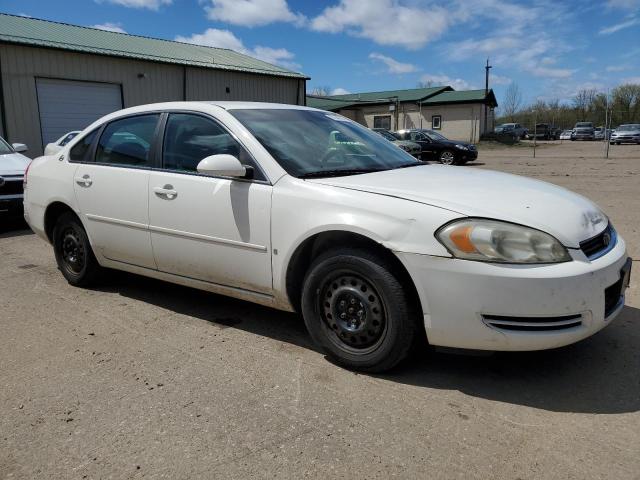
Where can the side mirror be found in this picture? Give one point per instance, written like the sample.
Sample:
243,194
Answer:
221,166
20,147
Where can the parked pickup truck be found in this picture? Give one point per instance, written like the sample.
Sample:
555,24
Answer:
544,131
583,131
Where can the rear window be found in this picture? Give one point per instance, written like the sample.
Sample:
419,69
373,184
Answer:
79,152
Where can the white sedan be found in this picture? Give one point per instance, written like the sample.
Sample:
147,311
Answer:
54,147
304,210
12,167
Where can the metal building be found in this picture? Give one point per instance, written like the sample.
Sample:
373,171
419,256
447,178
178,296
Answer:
56,77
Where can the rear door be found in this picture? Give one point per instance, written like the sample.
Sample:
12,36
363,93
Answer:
112,188
216,229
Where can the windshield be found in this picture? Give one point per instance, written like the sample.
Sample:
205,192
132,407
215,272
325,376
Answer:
627,128
388,135
584,125
310,143
435,136
5,148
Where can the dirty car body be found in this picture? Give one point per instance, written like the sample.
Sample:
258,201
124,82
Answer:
301,209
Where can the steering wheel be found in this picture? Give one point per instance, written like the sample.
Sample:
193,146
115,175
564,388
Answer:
329,154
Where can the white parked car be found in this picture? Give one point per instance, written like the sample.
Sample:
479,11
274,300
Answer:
302,209
566,135
12,167
54,147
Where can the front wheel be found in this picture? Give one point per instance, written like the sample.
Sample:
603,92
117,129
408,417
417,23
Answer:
357,310
447,157
73,251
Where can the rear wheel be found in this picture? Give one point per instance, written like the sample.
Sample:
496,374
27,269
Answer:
357,311
73,251
447,157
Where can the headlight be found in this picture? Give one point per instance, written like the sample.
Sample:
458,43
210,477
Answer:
495,241
461,147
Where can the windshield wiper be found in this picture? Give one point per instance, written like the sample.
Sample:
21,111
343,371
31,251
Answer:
407,165
339,172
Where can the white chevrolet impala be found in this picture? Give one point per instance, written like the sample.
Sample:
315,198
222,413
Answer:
305,210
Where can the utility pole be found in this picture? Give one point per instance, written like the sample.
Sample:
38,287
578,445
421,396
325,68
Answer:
486,92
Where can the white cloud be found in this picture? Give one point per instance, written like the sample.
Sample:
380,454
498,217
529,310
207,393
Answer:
340,91
546,72
443,80
213,37
617,68
251,13
499,80
624,4
635,80
619,26
386,22
149,4
110,27
393,66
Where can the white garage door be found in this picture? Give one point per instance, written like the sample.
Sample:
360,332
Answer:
67,105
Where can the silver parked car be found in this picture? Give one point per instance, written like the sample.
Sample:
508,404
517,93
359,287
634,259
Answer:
629,133
514,129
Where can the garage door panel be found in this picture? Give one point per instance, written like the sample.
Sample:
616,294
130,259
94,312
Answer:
67,105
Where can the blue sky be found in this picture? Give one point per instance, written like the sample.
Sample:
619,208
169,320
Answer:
549,48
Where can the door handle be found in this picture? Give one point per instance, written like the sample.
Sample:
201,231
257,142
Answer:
167,192
84,181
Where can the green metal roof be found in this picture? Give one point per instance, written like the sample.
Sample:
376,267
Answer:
337,102
44,33
462,96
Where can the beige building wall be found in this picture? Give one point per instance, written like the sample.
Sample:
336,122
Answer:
21,65
463,122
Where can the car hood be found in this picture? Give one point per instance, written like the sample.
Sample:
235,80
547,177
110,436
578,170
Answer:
567,216
626,133
13,164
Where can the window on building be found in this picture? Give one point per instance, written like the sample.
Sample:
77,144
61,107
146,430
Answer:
79,152
382,121
436,122
128,141
191,138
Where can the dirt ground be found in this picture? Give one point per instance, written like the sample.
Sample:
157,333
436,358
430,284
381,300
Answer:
142,379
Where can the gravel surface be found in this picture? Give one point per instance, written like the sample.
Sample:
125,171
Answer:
143,379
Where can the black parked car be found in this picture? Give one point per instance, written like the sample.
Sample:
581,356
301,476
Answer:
544,131
437,147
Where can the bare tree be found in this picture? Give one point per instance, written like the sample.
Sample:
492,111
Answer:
512,101
584,102
626,100
425,84
321,90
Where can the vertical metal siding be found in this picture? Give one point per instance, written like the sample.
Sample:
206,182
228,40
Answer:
20,65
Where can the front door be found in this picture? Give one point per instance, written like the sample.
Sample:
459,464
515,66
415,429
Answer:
112,189
209,228
428,149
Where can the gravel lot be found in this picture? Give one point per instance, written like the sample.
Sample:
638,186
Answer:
141,379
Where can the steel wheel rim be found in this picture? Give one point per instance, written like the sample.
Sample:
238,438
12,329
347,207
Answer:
72,251
353,313
446,158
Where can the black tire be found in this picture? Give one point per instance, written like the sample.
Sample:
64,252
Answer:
357,311
73,251
447,157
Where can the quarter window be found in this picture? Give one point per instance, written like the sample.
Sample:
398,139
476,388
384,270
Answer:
191,138
79,152
128,141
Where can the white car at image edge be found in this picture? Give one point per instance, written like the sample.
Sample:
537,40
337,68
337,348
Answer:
304,210
12,167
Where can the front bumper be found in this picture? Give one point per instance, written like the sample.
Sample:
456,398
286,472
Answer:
460,298
11,206
625,139
583,136
468,155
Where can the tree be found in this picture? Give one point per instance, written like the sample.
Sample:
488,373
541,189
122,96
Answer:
626,103
584,102
512,101
321,90
425,84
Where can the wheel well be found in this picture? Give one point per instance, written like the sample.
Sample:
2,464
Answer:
309,250
51,216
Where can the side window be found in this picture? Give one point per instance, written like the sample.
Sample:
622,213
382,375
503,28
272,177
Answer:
190,138
79,152
418,136
67,139
128,141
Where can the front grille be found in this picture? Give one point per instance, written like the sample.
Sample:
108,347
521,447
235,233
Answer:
612,296
533,324
11,187
597,246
